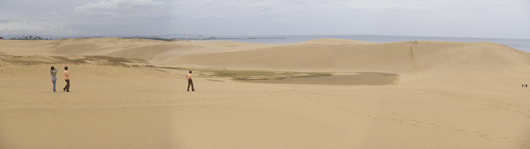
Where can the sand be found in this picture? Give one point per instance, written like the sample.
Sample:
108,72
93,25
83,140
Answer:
434,95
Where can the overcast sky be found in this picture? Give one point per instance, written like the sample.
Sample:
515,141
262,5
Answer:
445,18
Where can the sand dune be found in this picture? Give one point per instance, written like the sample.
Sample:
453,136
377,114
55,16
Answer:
478,63
439,95
400,57
321,54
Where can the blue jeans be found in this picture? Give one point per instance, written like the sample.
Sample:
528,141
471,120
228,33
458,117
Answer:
54,84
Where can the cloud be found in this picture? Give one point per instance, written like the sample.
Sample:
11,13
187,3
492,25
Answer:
122,9
477,18
140,17
31,24
10,20
116,4
151,26
471,18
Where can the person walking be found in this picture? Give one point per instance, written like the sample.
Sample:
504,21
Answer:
67,79
190,82
53,72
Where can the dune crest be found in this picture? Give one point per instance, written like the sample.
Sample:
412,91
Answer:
399,57
333,41
428,58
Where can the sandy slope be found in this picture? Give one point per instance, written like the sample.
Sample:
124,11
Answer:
450,95
400,57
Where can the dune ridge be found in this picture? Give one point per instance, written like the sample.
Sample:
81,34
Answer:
424,59
434,95
318,54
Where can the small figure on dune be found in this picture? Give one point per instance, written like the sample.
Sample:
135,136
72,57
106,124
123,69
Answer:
526,85
67,79
190,82
53,72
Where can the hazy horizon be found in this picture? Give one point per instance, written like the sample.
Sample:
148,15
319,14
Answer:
244,36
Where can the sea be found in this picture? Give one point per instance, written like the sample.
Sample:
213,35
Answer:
520,44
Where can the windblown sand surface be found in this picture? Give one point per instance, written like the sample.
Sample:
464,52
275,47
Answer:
325,93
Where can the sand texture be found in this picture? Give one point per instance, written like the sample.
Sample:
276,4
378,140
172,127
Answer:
326,93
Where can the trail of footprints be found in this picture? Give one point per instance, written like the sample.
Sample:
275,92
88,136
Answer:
113,102
391,115
523,110
395,117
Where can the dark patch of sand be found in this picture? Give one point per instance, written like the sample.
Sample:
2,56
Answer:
361,78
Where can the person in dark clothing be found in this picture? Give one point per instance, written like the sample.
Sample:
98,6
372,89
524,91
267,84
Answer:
190,82
67,79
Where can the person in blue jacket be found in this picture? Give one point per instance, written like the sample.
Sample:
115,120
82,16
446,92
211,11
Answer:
54,77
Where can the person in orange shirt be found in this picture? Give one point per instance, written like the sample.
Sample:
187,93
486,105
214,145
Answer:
190,82
67,79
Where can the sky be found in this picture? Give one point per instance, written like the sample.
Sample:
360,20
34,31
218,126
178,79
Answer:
435,18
